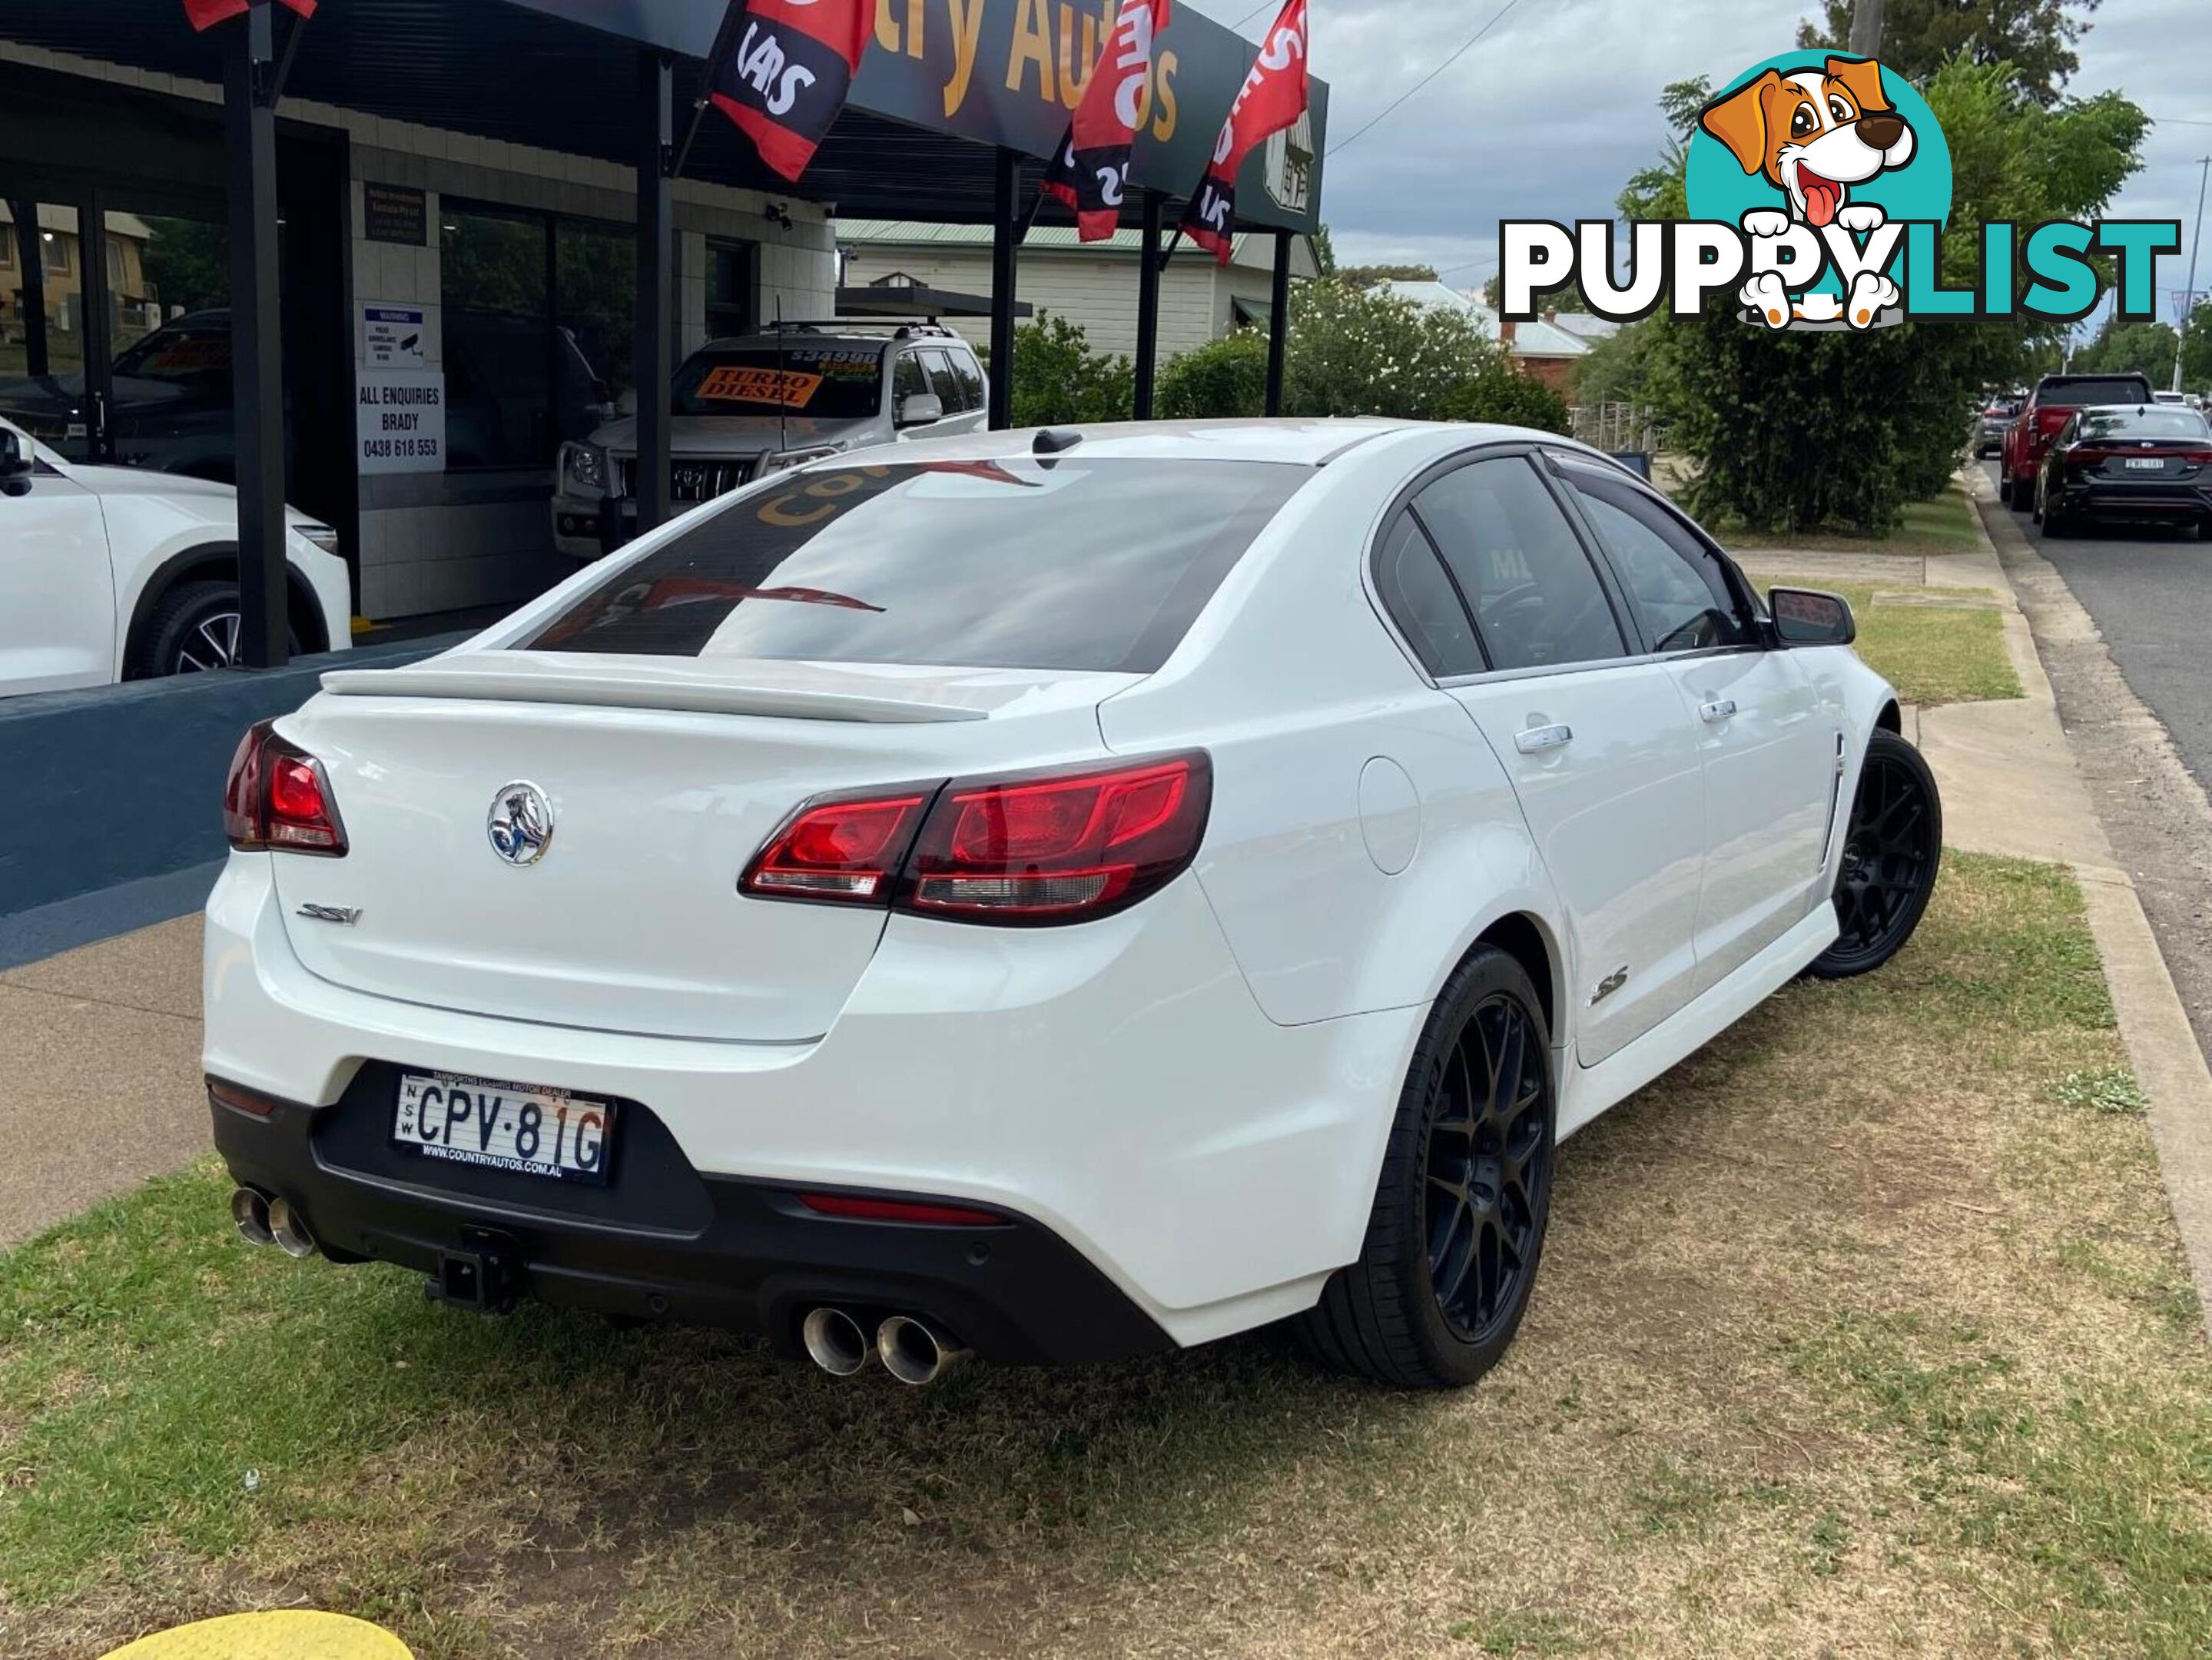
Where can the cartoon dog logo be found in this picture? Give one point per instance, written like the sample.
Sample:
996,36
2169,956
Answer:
1814,134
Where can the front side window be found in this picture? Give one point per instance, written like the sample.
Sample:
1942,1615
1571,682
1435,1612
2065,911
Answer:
1536,596
1025,562
1674,581
820,382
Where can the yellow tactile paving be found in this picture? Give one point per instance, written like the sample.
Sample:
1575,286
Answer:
282,1635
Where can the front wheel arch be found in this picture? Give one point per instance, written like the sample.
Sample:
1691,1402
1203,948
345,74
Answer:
217,562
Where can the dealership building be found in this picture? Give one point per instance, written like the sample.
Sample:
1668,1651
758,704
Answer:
469,240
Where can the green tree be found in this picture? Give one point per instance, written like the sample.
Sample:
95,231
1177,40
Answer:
1362,351
2036,38
1223,377
1499,394
2119,347
1059,380
2197,350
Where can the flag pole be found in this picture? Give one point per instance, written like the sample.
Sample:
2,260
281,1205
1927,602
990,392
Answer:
724,37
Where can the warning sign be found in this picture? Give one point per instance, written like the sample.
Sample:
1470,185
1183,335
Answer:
791,389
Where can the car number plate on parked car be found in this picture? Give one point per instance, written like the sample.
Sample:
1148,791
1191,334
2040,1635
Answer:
2148,463
511,1127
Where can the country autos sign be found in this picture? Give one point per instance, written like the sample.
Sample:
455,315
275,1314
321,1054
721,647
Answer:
1013,72
1819,186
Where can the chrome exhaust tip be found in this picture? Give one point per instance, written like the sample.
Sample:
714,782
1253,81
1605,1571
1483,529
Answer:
914,1351
290,1232
834,1341
249,1210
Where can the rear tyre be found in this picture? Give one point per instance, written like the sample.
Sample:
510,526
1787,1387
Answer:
192,628
2004,486
1892,847
1445,1272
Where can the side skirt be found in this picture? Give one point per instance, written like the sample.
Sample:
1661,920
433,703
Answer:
1591,1089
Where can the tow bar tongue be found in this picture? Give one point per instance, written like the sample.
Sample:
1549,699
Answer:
481,1275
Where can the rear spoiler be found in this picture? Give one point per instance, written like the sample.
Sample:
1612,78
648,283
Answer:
486,678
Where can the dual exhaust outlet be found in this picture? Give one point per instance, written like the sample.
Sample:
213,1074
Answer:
264,1220
912,1350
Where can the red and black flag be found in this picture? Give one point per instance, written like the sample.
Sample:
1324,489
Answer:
1090,170
781,69
206,13
1272,97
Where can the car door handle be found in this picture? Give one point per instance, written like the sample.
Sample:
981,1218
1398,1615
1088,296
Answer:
1536,739
1719,709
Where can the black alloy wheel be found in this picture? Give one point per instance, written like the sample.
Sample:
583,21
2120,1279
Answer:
1450,1256
1489,1164
1892,847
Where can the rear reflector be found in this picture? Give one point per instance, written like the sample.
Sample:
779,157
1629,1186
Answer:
239,1098
1029,848
927,1214
277,795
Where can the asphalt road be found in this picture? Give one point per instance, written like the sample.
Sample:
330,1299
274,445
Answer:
2150,592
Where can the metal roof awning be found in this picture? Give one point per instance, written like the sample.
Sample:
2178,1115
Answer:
916,141
900,296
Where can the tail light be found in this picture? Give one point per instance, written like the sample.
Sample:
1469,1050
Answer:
1030,848
277,795
2089,452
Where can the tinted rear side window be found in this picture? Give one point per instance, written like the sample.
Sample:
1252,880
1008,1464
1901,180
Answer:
1018,563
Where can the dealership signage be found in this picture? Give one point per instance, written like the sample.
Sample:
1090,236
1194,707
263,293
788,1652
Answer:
400,421
1011,72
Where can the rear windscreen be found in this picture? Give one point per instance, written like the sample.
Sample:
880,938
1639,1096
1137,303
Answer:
2077,394
2147,423
1028,562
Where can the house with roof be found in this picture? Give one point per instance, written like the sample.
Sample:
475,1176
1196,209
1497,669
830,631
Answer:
1548,347
1094,283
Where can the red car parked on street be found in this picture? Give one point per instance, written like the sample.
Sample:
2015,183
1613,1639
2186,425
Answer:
2052,403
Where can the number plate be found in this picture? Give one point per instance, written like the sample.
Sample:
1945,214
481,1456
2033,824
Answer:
511,1126
2148,463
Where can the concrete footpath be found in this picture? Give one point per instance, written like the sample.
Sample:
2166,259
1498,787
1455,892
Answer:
99,1046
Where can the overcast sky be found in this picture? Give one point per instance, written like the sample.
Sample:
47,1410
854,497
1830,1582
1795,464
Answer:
1551,111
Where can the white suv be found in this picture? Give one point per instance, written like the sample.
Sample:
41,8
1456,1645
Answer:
751,404
111,574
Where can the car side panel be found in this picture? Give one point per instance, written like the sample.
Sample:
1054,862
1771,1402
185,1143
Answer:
1343,886
56,592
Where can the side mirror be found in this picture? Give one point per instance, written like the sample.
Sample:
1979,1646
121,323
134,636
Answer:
919,409
1807,616
15,465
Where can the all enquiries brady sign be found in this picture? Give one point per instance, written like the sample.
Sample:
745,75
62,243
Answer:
400,421
1819,186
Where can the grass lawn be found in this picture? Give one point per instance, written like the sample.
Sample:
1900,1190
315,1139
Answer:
1866,1330
1949,651
1942,524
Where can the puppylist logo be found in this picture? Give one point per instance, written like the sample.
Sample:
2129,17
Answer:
1819,186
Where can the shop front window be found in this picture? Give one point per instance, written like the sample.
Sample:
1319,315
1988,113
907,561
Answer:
538,325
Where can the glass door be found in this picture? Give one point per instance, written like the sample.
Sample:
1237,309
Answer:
168,404
47,321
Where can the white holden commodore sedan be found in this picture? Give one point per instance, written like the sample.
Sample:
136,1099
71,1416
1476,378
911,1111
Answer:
1057,894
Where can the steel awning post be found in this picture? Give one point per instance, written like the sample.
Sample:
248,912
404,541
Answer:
257,359
1279,321
654,361
1006,235
1148,307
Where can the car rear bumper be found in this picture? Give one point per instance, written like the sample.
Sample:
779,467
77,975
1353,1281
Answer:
2157,500
1113,1085
675,1246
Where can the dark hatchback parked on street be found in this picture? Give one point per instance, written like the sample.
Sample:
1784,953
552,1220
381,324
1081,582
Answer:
2141,463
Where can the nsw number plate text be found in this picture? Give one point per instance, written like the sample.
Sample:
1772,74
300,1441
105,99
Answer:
511,1127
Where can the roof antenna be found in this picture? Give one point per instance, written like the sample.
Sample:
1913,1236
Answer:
1051,442
782,440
